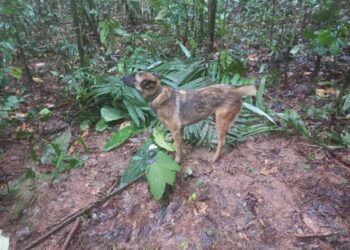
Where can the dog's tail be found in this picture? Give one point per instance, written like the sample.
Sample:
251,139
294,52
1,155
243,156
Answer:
249,90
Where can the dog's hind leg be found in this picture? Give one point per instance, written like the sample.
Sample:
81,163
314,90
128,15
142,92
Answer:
224,117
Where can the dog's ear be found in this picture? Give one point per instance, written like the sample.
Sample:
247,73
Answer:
159,76
148,84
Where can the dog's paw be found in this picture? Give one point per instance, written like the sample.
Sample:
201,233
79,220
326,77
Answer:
178,160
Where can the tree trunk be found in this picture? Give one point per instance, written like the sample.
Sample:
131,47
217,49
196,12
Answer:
225,15
201,23
317,65
78,32
272,22
211,24
187,21
131,18
23,55
92,25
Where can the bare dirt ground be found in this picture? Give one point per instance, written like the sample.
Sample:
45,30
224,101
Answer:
269,192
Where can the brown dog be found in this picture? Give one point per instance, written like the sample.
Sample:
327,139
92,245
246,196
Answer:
178,108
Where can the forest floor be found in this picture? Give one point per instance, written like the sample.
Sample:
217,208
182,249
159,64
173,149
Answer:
272,191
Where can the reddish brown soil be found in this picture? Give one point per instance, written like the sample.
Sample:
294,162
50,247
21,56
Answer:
266,193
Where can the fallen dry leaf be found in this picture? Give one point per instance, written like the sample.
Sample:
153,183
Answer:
39,65
265,171
124,124
310,224
326,92
253,57
202,207
20,115
37,80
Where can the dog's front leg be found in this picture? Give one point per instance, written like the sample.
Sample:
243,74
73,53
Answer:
177,135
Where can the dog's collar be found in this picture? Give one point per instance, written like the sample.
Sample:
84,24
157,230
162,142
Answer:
155,95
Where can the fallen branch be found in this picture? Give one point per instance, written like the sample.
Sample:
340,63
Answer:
321,235
71,233
75,215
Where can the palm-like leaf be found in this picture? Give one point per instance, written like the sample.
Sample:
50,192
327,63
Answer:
190,74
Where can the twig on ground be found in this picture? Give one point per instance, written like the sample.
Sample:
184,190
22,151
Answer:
309,145
321,235
338,157
71,233
73,216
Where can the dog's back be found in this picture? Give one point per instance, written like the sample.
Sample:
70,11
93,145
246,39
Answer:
198,104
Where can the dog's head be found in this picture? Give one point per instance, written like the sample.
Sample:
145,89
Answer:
148,84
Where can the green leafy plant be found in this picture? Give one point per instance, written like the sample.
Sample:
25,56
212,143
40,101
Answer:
118,101
7,105
324,41
20,194
121,136
160,169
161,172
137,165
56,153
160,139
345,107
230,65
45,114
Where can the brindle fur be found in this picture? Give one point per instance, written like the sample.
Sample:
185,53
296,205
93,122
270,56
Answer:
179,108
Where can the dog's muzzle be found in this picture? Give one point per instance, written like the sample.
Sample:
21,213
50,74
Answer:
129,80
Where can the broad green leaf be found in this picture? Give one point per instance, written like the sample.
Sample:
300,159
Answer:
309,35
160,173
346,104
334,48
45,113
235,79
54,73
203,134
325,37
120,137
258,111
101,125
62,142
230,65
345,137
69,162
155,176
22,191
137,165
111,114
16,72
10,103
167,162
104,27
121,32
295,50
159,139
184,49
132,113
